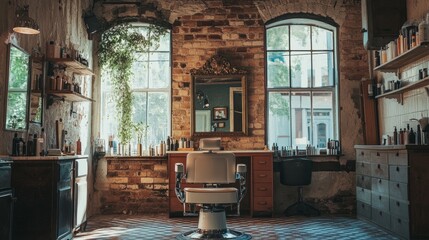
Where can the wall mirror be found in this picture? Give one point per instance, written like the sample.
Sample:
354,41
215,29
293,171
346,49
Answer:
219,94
18,65
36,91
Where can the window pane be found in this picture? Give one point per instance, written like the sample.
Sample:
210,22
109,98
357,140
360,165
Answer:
323,119
278,38
301,67
300,104
109,120
322,39
139,112
323,69
159,74
300,37
17,110
278,69
279,119
164,44
158,117
139,75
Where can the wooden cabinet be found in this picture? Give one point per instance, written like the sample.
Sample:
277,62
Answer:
6,200
259,176
44,205
392,188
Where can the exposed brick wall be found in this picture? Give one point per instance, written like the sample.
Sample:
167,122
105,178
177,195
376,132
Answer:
236,32
135,186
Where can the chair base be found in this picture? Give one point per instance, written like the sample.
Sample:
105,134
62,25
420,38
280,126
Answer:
212,225
228,234
301,208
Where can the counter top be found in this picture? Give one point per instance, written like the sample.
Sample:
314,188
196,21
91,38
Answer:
136,158
224,151
393,147
46,158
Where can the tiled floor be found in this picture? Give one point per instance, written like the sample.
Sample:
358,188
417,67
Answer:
161,227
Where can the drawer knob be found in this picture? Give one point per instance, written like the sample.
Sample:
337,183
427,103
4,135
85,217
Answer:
399,220
397,154
363,178
397,169
378,154
262,162
262,175
379,197
262,203
378,166
398,204
379,181
381,213
397,185
262,189
362,153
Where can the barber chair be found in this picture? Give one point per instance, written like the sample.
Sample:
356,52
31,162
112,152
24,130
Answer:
297,172
212,170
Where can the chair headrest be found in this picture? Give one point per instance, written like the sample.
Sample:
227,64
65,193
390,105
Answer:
210,144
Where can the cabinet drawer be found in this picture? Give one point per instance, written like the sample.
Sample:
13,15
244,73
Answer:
400,226
262,190
380,170
381,218
399,157
380,201
398,173
379,157
262,163
380,185
399,208
263,204
65,171
363,210
364,195
398,190
363,155
262,176
363,181
363,168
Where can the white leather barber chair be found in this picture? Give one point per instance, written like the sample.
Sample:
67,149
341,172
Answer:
212,169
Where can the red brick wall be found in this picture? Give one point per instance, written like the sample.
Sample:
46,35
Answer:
135,186
236,32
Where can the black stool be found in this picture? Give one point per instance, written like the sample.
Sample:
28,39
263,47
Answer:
297,172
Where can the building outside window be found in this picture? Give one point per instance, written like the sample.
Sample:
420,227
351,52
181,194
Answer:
302,83
151,88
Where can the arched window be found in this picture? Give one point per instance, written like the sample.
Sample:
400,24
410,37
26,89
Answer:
151,89
302,82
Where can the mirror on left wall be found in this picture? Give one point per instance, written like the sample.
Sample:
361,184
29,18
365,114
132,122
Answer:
17,100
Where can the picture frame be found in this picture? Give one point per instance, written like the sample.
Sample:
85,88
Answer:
220,113
221,124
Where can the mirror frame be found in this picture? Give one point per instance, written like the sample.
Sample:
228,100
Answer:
39,85
219,68
10,45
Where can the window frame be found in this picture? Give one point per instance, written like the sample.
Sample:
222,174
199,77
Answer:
312,21
146,90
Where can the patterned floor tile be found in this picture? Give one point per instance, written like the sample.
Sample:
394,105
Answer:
135,227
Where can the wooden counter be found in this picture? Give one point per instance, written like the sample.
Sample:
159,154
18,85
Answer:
259,198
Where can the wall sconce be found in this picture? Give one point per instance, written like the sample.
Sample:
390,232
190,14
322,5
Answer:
24,24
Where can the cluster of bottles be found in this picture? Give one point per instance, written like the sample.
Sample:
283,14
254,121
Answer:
34,146
407,136
63,83
411,35
176,144
286,151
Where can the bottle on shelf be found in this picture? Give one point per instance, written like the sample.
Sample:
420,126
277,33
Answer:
411,137
395,136
78,147
15,145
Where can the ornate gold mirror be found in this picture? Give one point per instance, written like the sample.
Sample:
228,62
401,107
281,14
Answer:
219,99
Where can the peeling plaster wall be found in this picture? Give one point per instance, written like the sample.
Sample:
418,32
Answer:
62,22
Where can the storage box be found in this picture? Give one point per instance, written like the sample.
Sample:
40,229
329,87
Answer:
52,50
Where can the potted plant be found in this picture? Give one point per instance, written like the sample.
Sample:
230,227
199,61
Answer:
141,132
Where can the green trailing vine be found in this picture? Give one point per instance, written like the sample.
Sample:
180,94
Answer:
116,55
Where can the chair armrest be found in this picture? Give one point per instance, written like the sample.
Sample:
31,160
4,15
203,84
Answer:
241,168
179,168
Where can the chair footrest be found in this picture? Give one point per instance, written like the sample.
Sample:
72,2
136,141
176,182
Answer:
211,195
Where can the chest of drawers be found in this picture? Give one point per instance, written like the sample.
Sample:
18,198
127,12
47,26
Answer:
392,188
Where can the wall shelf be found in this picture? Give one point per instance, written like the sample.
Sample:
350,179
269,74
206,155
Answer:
398,93
72,65
66,95
405,58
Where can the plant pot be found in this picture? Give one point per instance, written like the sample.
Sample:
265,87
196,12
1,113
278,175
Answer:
139,149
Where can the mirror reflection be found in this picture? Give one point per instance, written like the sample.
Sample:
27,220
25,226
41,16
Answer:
36,92
17,89
219,99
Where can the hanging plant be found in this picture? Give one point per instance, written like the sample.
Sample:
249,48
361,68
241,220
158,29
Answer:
116,55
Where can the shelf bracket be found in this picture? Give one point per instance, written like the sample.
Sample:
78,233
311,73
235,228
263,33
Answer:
427,91
51,98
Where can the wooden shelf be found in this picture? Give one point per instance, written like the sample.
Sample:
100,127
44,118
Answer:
72,65
405,58
70,96
399,92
